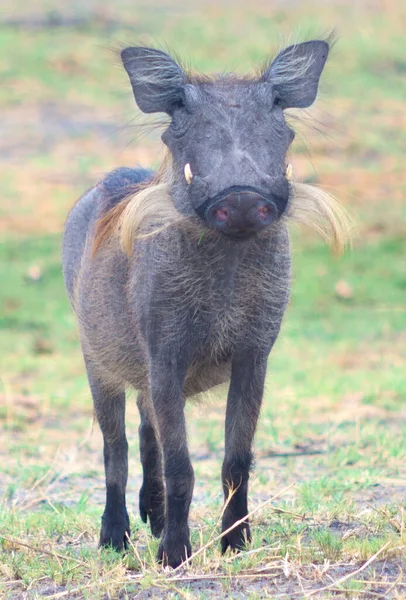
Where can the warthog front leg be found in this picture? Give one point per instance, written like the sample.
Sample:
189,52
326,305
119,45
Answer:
243,407
110,412
167,397
152,493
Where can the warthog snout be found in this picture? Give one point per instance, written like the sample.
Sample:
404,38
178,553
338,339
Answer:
240,212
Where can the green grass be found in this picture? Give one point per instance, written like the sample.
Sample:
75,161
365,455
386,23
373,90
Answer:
333,421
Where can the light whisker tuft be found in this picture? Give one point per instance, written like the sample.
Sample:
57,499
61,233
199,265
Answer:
322,212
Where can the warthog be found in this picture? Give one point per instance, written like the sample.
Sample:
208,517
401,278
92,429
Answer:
180,278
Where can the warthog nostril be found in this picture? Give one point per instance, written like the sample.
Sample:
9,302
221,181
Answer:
222,214
263,212
241,213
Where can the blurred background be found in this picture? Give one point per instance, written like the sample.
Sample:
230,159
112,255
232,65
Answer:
334,418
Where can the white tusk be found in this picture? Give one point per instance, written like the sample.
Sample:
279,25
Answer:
289,172
188,174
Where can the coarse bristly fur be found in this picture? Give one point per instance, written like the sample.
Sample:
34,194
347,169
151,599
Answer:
180,284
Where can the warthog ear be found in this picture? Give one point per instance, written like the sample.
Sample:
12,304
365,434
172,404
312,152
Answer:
295,73
155,77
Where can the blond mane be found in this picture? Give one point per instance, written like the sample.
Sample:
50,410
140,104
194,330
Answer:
322,212
150,210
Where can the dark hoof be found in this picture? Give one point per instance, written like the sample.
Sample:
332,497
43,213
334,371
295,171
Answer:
237,539
174,553
114,533
152,507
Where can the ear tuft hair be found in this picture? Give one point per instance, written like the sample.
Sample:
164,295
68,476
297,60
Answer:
295,73
155,77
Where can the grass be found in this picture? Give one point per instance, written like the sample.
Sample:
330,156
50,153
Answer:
332,435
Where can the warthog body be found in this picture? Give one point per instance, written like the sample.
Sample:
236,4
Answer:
180,279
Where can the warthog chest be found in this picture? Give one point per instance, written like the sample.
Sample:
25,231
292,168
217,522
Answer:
224,317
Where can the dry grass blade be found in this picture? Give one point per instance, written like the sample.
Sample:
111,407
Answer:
368,592
225,576
43,551
80,589
45,475
242,554
398,526
231,493
287,454
69,592
280,511
391,584
338,582
136,553
239,522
